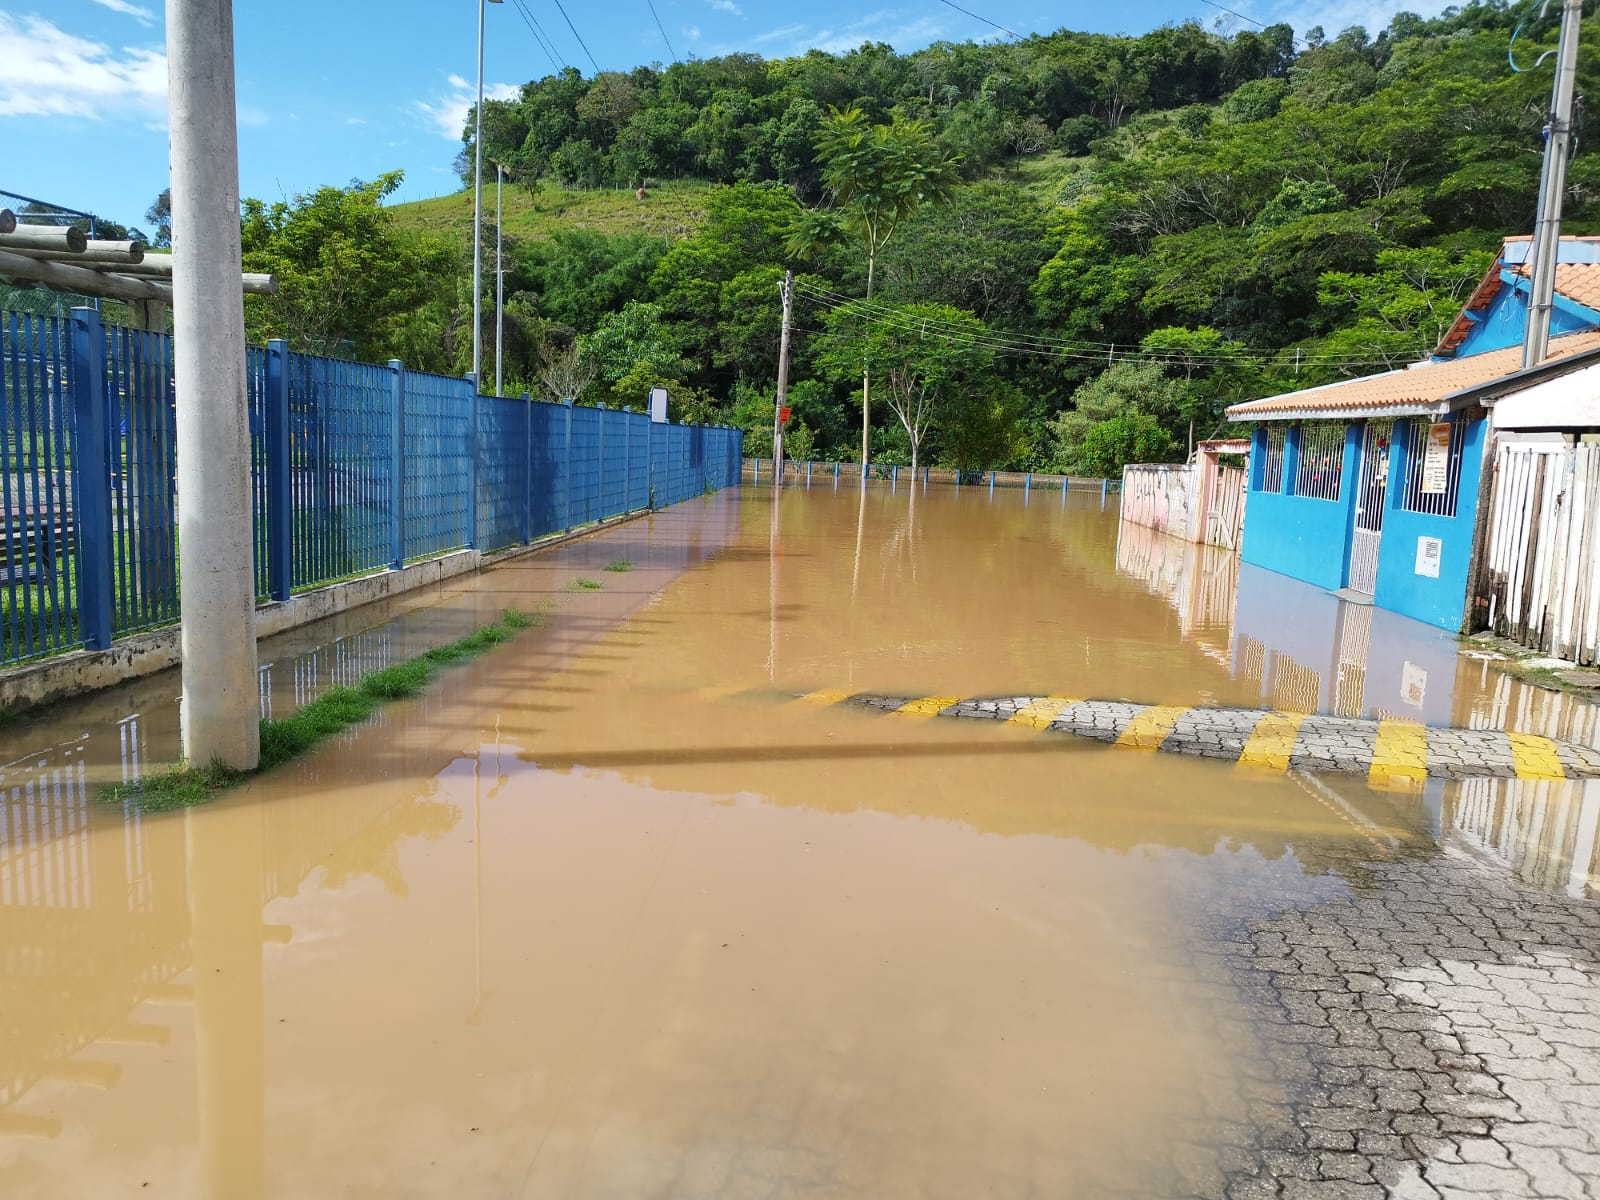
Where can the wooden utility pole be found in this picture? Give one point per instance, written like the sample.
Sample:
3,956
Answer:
1552,183
785,290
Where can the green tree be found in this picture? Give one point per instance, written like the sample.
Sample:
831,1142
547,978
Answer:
878,176
351,281
929,356
1138,396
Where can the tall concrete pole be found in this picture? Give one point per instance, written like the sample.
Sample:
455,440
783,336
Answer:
1552,184
499,278
477,210
216,584
786,291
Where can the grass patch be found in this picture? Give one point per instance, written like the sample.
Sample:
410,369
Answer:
580,584
336,709
619,565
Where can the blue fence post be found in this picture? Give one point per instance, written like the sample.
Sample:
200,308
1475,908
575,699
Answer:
566,453
91,457
397,464
600,466
894,478
1027,484
991,485
472,462
1104,484
1064,479
527,467
280,498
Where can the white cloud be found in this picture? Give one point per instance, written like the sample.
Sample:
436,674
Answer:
879,27
727,6
783,33
692,32
448,114
253,117
142,15
45,71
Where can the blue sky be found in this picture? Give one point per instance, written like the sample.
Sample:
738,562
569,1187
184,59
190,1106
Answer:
330,91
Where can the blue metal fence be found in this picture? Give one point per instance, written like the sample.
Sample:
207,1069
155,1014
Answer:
354,468
39,611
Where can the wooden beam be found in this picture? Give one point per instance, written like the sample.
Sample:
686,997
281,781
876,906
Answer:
125,253
81,280
254,283
45,237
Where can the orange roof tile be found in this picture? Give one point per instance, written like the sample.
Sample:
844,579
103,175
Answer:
1578,282
1412,391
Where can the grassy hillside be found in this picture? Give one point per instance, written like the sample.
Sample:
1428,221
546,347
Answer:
672,210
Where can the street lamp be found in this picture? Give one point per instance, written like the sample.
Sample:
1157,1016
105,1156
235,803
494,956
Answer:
499,275
477,210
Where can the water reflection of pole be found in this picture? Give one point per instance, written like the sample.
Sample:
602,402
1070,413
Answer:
772,592
861,524
223,848
477,881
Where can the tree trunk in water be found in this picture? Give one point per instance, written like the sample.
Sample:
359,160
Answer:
866,418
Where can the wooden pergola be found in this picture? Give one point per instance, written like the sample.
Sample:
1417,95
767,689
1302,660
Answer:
64,259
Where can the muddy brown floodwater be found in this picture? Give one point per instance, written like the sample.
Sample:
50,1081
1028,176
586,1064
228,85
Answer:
603,914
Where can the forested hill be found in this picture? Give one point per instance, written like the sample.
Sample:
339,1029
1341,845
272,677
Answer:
1135,231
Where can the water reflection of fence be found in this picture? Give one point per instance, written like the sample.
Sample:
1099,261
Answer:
1546,834
1199,582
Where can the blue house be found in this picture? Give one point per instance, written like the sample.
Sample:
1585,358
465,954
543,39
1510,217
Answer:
1369,487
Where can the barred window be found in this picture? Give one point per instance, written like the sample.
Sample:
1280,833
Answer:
1272,460
1433,468
1321,463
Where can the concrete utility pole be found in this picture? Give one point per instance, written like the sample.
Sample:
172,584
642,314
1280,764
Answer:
499,277
1552,185
477,211
216,585
786,291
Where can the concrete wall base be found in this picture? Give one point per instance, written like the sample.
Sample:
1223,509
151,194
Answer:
72,674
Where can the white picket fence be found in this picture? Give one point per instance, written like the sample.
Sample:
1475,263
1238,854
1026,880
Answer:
1541,577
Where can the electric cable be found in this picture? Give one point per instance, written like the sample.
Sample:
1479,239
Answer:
663,29
562,9
976,17
539,35
1037,344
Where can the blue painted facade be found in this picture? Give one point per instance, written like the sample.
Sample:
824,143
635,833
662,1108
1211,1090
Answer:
1309,539
1501,324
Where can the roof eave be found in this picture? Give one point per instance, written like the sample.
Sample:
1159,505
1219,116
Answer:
1437,408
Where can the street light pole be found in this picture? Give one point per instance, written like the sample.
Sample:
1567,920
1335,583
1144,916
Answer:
477,209
499,277
1545,251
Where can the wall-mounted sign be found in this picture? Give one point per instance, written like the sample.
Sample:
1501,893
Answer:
1436,460
1428,551
658,405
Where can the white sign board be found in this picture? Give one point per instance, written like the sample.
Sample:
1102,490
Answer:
1428,551
1436,460
658,405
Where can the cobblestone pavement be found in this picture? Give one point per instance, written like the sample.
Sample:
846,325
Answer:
1442,1031
1386,750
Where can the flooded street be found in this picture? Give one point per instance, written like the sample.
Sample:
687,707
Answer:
610,913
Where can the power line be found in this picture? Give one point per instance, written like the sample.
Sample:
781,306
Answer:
1033,343
539,35
663,28
1231,13
976,17
1016,345
562,9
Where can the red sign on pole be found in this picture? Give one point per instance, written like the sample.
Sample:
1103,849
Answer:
783,415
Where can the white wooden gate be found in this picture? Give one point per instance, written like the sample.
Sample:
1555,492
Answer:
1541,574
1372,482
1225,509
